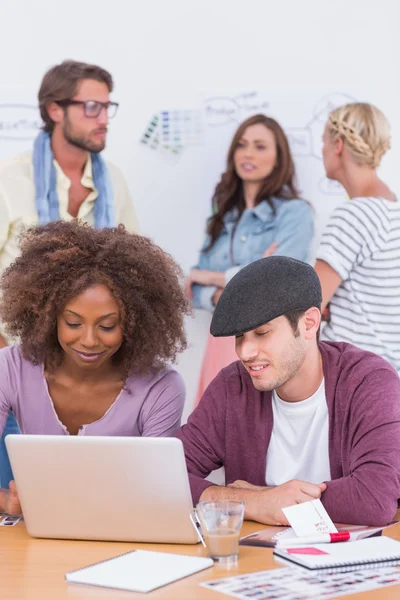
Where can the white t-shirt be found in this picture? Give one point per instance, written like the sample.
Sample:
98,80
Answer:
362,244
298,448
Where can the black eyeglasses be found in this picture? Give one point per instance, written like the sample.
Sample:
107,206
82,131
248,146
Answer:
93,108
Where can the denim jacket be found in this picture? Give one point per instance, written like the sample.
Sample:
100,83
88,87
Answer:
292,228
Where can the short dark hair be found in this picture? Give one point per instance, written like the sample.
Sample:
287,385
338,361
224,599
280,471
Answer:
61,82
293,317
62,259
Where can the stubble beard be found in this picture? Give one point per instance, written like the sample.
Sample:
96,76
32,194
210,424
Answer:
80,141
287,370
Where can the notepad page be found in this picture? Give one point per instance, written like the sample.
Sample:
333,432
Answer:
346,553
139,571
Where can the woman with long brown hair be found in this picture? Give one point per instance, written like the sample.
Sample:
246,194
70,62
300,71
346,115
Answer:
257,212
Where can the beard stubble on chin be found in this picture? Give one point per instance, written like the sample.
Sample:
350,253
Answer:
80,141
287,369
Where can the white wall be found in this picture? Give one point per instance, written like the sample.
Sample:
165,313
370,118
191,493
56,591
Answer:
165,55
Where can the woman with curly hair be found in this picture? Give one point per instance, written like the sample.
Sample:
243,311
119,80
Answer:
99,315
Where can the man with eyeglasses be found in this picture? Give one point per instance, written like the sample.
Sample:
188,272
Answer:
65,176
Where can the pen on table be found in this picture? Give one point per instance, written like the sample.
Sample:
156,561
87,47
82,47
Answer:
324,538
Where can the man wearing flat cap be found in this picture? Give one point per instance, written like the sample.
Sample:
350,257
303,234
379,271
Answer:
294,419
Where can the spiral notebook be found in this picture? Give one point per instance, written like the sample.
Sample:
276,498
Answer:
343,556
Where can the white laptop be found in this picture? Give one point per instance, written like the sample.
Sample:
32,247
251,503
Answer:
103,488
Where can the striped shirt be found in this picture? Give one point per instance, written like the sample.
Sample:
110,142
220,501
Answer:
362,244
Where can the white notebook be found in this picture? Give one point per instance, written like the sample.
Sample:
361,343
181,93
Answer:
343,556
139,570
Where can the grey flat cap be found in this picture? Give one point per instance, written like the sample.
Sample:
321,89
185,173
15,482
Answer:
262,291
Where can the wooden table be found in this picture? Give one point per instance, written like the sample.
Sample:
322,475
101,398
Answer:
34,569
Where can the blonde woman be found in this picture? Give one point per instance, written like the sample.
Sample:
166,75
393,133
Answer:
358,261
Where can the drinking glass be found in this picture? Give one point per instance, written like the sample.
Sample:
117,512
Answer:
221,522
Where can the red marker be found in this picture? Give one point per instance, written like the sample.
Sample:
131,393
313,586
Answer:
325,538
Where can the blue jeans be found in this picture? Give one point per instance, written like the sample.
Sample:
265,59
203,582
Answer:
6,473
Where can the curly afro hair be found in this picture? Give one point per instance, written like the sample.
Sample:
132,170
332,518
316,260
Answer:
61,259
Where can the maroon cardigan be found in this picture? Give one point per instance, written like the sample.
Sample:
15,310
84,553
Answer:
232,426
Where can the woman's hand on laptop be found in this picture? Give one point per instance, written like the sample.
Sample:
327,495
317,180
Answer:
11,500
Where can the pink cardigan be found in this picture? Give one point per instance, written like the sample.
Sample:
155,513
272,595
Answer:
232,427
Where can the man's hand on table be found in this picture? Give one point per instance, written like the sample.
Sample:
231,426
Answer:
264,504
